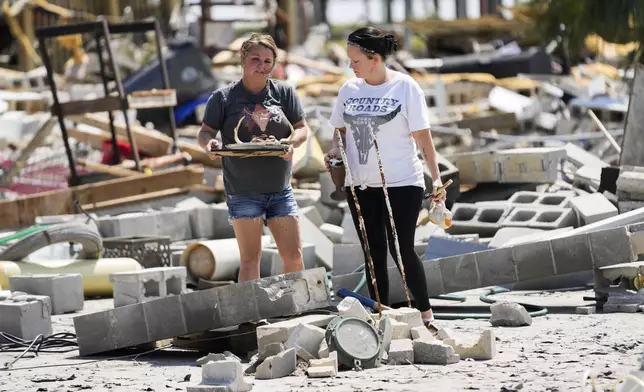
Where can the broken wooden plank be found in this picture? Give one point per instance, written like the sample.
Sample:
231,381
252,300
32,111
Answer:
75,108
151,142
23,211
107,169
151,196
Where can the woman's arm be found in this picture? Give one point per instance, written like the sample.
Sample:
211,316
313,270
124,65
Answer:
205,135
301,129
425,143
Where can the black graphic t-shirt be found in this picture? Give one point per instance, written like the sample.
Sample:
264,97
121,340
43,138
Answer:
390,112
266,113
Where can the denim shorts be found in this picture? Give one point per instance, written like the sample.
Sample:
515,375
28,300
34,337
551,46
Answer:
264,205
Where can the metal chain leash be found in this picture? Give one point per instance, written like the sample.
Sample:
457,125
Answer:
363,229
391,217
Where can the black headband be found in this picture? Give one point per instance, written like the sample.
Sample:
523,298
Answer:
383,45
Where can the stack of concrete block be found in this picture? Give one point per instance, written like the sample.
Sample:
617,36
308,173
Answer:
25,316
174,224
210,221
630,188
279,332
521,165
64,290
200,311
477,219
572,252
147,284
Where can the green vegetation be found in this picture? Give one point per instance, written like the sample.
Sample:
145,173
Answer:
617,21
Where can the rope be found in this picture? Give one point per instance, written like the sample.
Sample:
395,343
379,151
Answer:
363,229
391,217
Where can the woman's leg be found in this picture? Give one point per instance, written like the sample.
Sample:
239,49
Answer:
282,217
247,217
372,208
406,203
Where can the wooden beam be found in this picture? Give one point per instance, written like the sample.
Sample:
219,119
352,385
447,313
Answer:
23,211
150,196
151,142
106,169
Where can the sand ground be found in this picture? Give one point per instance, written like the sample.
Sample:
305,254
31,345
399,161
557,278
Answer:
550,355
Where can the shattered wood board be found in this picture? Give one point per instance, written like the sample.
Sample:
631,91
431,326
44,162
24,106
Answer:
150,196
152,142
23,211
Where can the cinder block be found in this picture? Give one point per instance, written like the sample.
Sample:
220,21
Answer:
333,232
631,182
534,260
347,258
128,326
164,317
401,352
305,339
201,310
572,254
434,353
292,293
25,316
496,267
459,273
312,213
540,218
479,219
238,303
277,366
226,375
611,246
128,225
522,165
593,208
624,206
482,349
539,199
211,222
139,286
585,309
534,165
475,167
323,245
64,290
272,264
174,224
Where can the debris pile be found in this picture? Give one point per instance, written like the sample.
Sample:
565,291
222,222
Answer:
107,194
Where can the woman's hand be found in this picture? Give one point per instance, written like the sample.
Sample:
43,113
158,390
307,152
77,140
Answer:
439,194
333,153
289,153
210,146
213,144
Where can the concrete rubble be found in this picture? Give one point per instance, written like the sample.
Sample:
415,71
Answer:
546,160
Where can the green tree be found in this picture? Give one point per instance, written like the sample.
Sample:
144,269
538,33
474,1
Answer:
617,21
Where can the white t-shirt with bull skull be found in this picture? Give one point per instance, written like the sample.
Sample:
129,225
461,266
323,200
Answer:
392,111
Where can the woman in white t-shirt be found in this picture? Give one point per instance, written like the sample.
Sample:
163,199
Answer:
392,106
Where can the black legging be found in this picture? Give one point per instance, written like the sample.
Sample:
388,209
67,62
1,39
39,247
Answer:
406,202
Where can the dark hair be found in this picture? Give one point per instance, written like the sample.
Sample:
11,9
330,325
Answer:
371,41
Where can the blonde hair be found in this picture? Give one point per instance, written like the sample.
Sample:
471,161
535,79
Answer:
258,39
